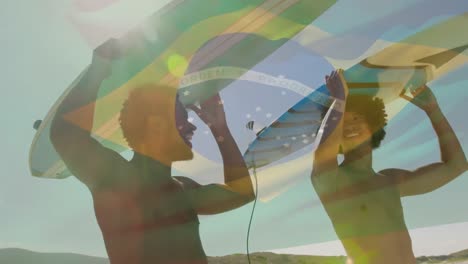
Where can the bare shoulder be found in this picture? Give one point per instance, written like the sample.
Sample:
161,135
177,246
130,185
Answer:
187,183
118,173
394,174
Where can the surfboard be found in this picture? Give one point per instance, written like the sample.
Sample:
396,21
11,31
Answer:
388,74
160,50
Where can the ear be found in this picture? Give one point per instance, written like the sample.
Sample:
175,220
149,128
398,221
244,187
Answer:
156,126
154,137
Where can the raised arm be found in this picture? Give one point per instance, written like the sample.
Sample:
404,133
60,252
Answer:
85,157
453,161
325,158
237,189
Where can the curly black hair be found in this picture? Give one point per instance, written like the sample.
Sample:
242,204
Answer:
143,101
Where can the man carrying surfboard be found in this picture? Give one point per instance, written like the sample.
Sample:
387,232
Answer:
145,214
365,206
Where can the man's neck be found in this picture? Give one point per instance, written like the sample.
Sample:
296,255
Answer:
151,168
359,159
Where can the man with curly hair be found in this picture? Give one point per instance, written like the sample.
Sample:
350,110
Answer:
145,214
363,205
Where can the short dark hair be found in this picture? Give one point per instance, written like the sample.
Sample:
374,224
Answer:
373,110
143,101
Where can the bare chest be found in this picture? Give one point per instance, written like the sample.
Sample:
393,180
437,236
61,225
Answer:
138,208
361,208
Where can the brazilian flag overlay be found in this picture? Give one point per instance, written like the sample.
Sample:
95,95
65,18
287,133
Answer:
268,60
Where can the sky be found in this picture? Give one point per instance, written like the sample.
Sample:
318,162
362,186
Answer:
42,51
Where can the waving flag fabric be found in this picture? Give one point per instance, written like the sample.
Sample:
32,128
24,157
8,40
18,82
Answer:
268,60
159,51
427,55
